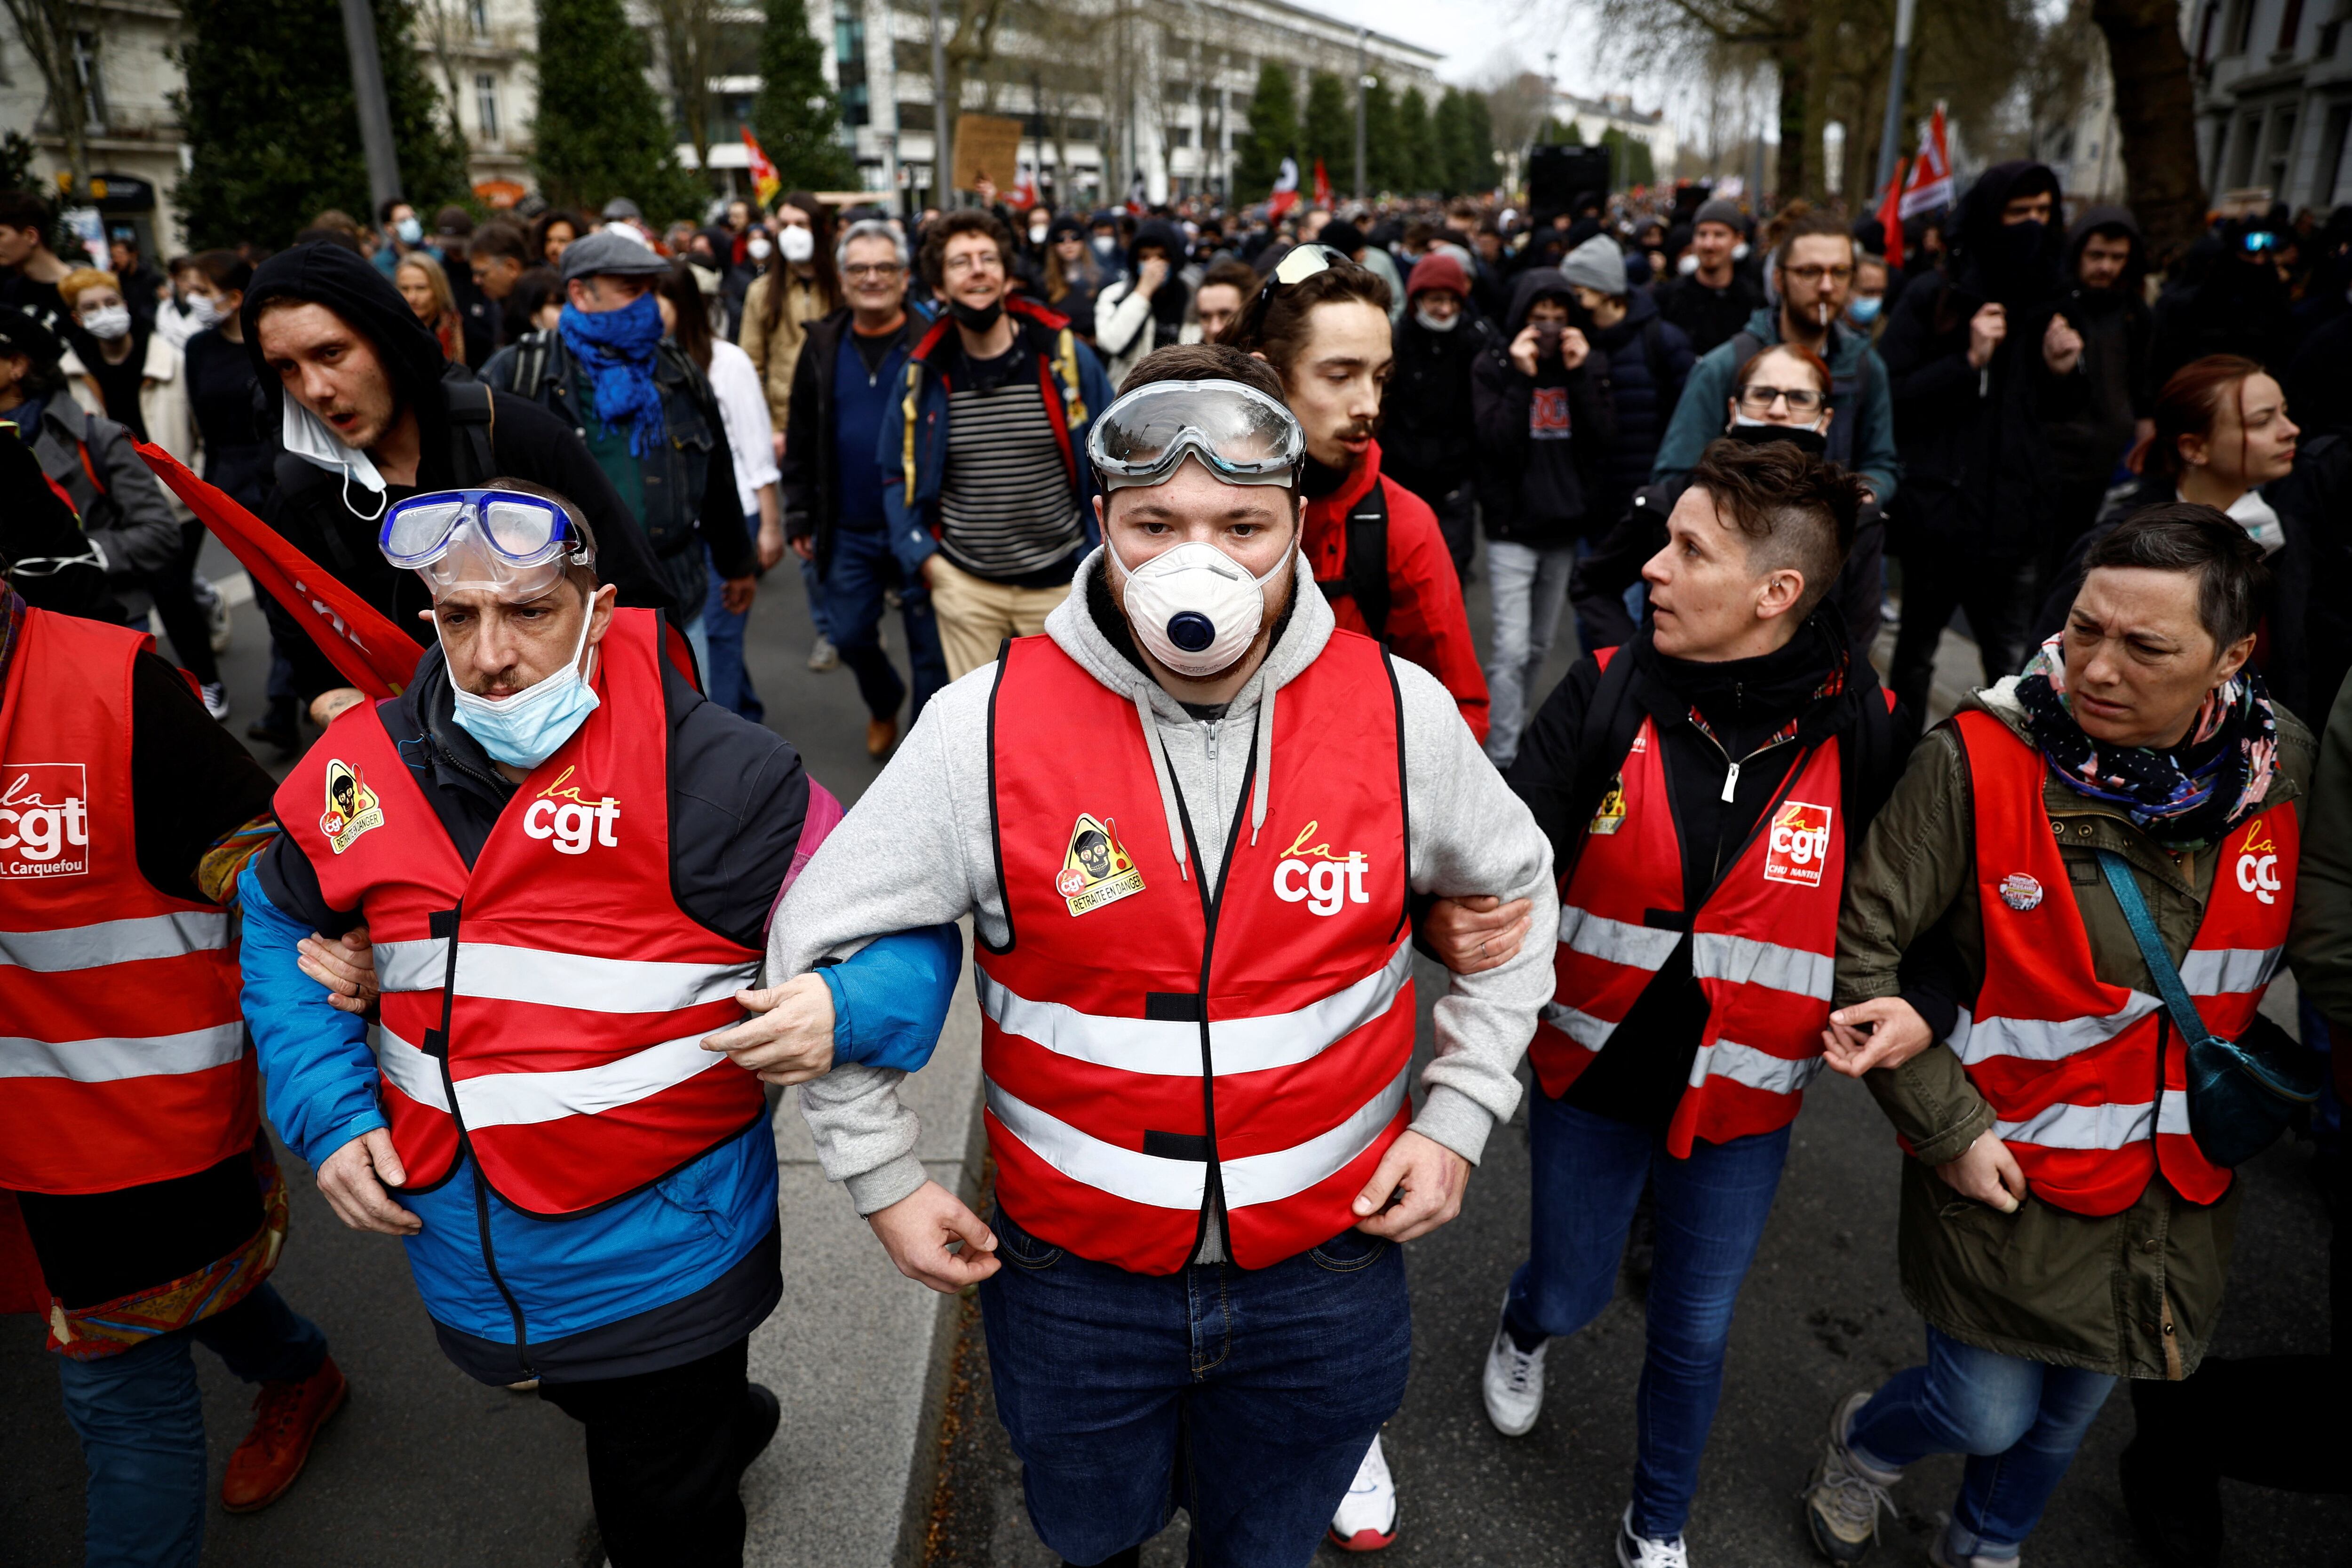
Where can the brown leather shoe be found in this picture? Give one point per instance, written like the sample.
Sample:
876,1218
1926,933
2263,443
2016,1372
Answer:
881,735
286,1420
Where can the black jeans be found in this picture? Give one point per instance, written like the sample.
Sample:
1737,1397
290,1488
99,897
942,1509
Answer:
173,588
1994,592
665,1460
1457,519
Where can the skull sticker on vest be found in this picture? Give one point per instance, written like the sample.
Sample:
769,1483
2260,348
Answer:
352,806
1096,868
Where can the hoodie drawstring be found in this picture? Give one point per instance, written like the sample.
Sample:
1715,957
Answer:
1264,760
1166,789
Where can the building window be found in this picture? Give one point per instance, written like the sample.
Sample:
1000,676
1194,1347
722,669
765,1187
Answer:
93,86
485,105
478,17
849,63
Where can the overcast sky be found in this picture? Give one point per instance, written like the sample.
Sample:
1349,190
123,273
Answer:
1473,35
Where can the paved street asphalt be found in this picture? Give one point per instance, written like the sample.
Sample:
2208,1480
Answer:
426,1467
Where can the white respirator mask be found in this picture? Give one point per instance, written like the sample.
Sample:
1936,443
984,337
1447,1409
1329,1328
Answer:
1196,609
797,244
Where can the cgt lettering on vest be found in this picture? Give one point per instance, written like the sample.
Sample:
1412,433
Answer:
1331,881
560,814
2258,861
1800,844
43,820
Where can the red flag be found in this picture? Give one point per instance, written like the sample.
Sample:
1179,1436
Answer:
1931,176
374,654
1322,185
1890,217
1286,191
766,184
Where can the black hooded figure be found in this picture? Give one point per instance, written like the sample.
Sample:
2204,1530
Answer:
467,435
1978,479
2119,389
2226,297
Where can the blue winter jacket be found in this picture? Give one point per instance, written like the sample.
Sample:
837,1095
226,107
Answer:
671,1273
913,449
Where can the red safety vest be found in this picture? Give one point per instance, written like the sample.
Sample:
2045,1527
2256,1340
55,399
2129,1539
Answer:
1145,1036
2088,1081
547,1006
1763,946
122,1046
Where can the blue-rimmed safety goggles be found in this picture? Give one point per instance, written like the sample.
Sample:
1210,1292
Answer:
512,543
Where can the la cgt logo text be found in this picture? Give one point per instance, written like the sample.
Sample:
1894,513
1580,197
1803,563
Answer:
43,820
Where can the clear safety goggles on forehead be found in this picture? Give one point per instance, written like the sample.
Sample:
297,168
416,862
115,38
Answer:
514,545
1238,433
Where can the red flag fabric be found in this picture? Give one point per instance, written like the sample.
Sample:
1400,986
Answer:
1931,176
1322,185
374,654
1286,191
1890,217
766,184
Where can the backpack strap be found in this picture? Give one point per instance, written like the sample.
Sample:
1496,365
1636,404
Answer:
531,362
472,417
1365,573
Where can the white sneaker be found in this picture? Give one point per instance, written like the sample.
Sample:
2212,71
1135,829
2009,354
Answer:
219,627
1513,1385
1639,1552
1845,1497
1367,1518
216,696
822,654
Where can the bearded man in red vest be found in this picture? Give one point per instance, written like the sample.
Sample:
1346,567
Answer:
141,1211
1189,822
1701,786
2107,847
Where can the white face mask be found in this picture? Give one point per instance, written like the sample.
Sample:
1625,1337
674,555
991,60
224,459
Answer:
1687,265
758,250
1037,233
1437,323
108,321
306,435
797,244
204,310
1196,609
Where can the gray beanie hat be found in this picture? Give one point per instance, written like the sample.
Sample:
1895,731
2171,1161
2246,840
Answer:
1722,211
1598,265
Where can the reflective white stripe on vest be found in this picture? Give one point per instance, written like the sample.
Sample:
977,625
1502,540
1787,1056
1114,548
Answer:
1719,956
408,1069
1164,1184
2063,1126
1615,942
2042,1039
1757,1069
419,966
69,948
497,973
113,1060
2227,971
1586,1030
520,1098
1167,1049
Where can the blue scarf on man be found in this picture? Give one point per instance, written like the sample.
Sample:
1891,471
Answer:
617,349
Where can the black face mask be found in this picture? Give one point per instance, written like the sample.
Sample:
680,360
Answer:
1810,442
976,320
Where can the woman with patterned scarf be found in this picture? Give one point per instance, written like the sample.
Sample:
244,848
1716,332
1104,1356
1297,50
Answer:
2060,1226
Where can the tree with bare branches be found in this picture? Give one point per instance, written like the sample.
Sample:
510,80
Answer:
51,32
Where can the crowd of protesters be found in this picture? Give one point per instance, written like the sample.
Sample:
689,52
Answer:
1758,466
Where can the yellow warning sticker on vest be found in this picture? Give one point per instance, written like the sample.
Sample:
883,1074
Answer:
1096,869
352,807
1610,816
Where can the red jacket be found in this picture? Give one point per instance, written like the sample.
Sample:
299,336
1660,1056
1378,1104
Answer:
1427,622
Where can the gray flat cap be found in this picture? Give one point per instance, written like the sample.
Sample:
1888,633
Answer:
607,253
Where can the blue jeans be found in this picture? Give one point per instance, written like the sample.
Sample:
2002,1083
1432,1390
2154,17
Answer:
1248,1396
1588,1175
812,583
141,1425
859,570
729,683
2019,1422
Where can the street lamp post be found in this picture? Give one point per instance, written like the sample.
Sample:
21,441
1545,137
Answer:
1362,79
1893,128
941,168
374,107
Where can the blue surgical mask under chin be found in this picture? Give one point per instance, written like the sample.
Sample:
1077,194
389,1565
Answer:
410,230
1863,309
525,730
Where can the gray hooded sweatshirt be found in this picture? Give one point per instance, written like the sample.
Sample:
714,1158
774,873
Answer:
919,849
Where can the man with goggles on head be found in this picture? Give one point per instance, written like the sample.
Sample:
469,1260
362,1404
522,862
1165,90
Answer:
1373,547
1179,819
558,862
